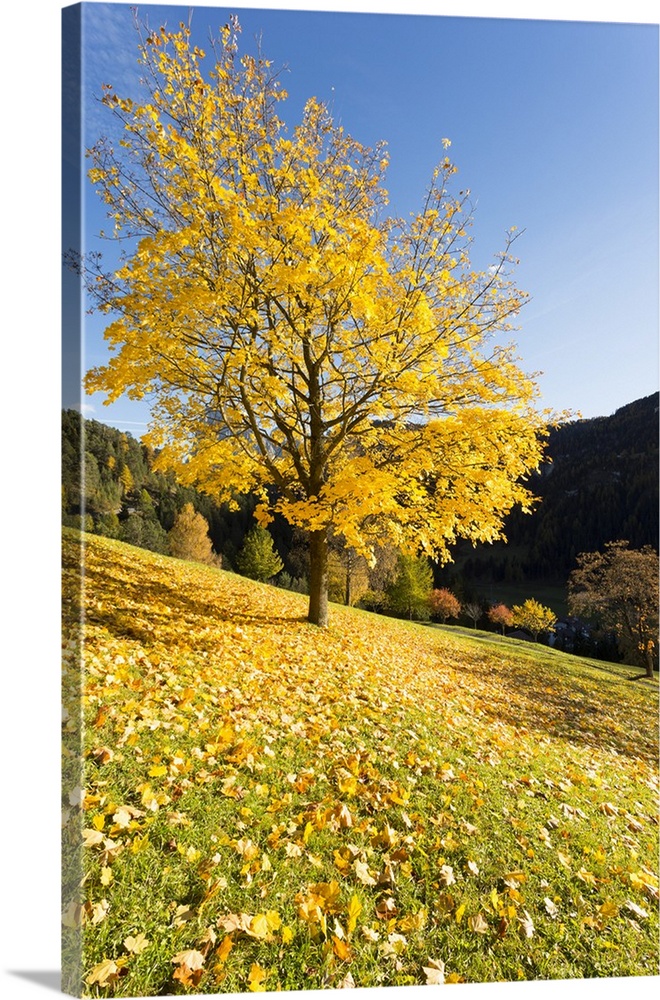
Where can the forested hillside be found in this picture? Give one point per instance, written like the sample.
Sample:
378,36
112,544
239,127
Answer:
124,498
600,484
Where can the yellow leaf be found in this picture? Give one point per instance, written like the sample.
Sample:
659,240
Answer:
586,876
435,972
386,909
459,912
73,915
341,949
139,844
414,921
99,911
191,958
287,935
447,875
105,973
257,978
608,909
526,924
106,876
225,947
354,911
348,786
478,924
136,944
92,838
259,926
362,871
122,817
182,914
344,817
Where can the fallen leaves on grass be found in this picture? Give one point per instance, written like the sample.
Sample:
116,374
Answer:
136,945
331,790
434,972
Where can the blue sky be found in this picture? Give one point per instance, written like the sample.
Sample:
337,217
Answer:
554,129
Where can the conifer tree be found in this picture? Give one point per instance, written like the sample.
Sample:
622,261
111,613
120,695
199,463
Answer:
258,558
189,536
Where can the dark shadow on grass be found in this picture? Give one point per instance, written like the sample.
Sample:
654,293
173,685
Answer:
50,980
160,610
565,709
165,610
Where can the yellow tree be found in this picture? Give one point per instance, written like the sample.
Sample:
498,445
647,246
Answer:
345,367
533,616
188,538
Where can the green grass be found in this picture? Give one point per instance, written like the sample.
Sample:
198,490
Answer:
310,805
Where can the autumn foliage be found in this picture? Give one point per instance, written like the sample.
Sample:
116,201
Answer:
255,804
533,616
618,588
189,536
501,616
347,368
444,604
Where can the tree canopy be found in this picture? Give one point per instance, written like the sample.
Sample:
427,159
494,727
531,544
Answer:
533,616
618,587
258,558
410,591
444,604
500,615
346,367
189,538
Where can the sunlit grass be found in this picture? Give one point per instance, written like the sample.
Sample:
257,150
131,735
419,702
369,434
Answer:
293,808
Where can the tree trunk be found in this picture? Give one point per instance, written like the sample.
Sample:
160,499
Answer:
318,578
648,658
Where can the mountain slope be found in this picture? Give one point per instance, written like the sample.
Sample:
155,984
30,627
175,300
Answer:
601,484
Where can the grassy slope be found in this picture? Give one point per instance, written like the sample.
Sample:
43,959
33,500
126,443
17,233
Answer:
304,808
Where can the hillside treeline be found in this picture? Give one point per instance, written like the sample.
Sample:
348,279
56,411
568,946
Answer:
600,484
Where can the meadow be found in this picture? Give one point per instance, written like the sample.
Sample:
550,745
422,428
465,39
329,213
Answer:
265,805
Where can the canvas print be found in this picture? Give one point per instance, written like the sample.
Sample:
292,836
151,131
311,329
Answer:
360,492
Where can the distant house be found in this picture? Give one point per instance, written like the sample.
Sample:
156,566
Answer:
569,633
